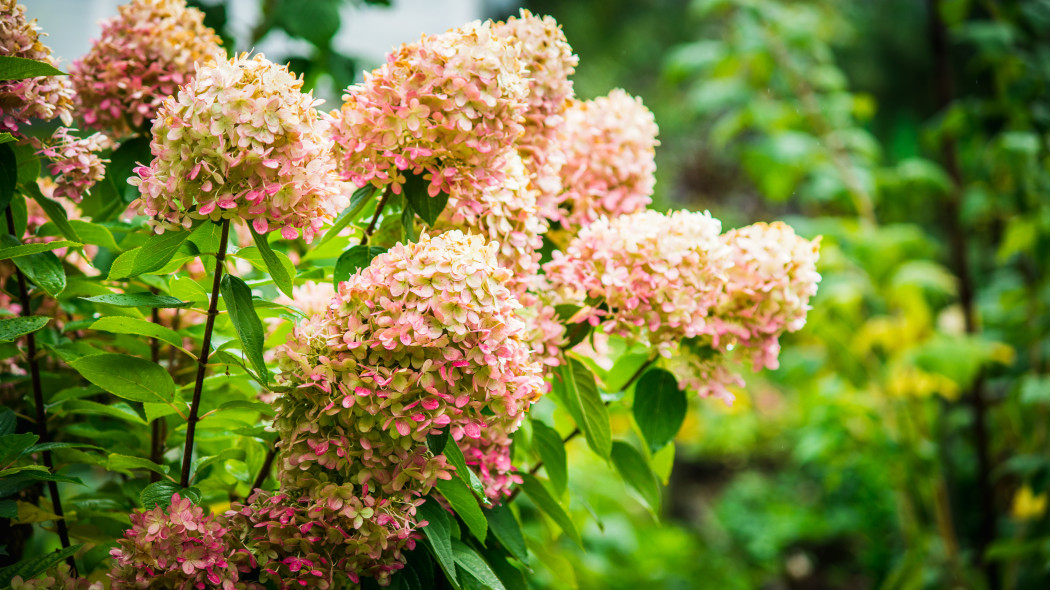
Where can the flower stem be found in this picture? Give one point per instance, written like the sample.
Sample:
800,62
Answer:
264,472
38,402
375,217
202,360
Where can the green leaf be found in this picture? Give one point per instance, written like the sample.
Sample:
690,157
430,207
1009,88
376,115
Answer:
124,325
575,332
8,176
238,298
225,454
278,271
439,532
34,566
51,446
7,421
93,233
8,509
13,445
349,262
122,164
159,494
358,201
45,270
552,452
635,470
128,377
436,442
541,496
55,213
455,456
139,300
585,405
417,196
474,566
6,137
151,256
126,463
465,504
20,68
120,410
21,250
659,407
12,329
408,225
316,21
504,525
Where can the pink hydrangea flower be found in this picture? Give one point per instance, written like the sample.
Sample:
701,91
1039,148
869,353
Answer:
178,547
445,107
609,146
310,297
33,98
143,56
241,141
423,339
768,287
75,163
651,277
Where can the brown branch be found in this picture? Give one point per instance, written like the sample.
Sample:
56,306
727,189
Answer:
38,402
202,361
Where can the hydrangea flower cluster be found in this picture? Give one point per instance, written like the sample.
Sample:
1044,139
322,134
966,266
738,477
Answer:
445,107
241,141
609,146
144,54
550,63
58,578
768,287
178,547
423,339
33,98
655,276
75,163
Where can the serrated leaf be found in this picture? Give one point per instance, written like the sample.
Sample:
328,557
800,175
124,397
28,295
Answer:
127,463
225,454
13,445
454,455
436,442
541,496
135,326
635,471
585,405
45,270
659,407
12,329
238,298
417,196
120,410
139,300
358,201
551,449
34,566
20,68
276,267
51,446
408,225
355,258
7,421
475,566
13,251
159,494
151,256
439,532
504,525
127,376
465,504
8,509
55,212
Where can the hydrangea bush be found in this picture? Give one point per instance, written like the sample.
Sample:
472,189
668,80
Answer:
355,409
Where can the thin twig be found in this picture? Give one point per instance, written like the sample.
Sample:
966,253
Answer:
264,472
375,217
38,401
202,361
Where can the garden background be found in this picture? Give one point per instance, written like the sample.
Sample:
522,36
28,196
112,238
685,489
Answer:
903,442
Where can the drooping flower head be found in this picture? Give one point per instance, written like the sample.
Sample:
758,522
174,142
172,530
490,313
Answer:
241,141
178,547
609,146
74,162
768,287
653,276
423,339
32,98
143,56
550,63
445,106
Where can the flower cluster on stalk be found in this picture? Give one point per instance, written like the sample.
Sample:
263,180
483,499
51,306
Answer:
74,162
423,339
44,98
241,141
143,55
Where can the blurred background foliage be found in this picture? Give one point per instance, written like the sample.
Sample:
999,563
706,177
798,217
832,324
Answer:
903,442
